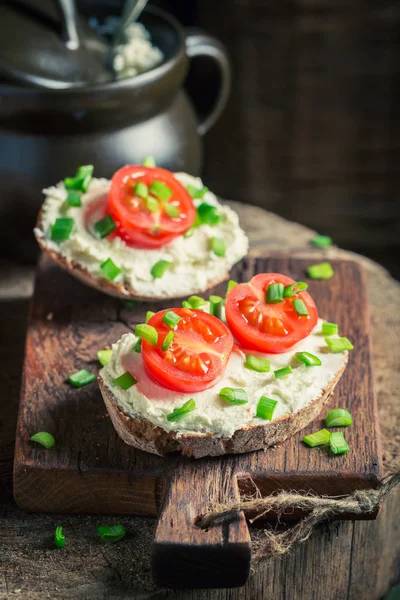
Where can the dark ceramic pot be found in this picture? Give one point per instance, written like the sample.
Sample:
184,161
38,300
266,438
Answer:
46,134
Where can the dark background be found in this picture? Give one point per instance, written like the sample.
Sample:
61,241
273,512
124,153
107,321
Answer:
312,128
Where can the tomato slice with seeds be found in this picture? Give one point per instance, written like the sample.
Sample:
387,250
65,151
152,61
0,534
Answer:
197,356
269,328
139,226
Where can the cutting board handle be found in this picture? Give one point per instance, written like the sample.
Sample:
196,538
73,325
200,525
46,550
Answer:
185,556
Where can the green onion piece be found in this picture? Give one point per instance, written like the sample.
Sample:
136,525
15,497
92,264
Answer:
152,204
81,378
81,180
59,538
148,333
216,304
319,438
196,301
167,341
231,285
171,319
105,226
178,413
115,533
338,444
162,191
149,314
131,303
261,365
329,329
62,229
283,372
320,271
294,288
196,192
337,345
189,232
159,268
208,214
172,211
44,439
84,171
110,269
300,307
141,190
124,381
274,293
338,417
266,407
310,360
322,241
233,395
104,357
149,161
137,346
74,199
185,304
218,246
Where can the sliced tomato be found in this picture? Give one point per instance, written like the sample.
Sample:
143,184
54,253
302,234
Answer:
197,356
137,225
270,328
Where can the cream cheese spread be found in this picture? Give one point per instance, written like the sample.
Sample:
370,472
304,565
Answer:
194,267
214,415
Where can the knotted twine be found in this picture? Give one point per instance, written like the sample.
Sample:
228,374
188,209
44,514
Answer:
320,509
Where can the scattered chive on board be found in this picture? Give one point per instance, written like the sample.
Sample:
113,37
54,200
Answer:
337,345
216,304
59,538
131,303
147,332
283,372
178,413
196,301
104,357
218,246
319,438
159,268
110,269
266,407
105,226
255,363
113,534
62,229
171,319
322,241
338,417
310,360
149,161
338,444
320,271
43,438
329,329
124,381
81,378
234,395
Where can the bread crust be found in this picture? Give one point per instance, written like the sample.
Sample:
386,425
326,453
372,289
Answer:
142,434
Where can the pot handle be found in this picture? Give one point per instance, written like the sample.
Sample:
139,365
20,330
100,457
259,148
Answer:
201,43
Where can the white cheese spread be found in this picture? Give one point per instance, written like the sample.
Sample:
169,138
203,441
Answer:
194,266
214,415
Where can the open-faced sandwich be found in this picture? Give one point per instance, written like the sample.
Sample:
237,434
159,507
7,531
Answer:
148,233
224,376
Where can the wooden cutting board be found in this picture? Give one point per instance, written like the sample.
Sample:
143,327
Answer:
90,470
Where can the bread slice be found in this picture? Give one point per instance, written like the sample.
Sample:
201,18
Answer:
142,434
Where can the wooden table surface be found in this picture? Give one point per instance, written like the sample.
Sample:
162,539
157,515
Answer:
342,560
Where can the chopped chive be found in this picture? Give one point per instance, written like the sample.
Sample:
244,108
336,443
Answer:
218,246
167,341
152,204
266,407
310,360
149,161
196,301
104,357
148,333
294,288
186,304
231,285
189,232
81,180
300,307
329,329
74,199
141,190
216,304
172,211
320,271
338,444
124,381
113,534
105,226
110,269
159,268
283,372
62,229
84,170
196,192
338,417
43,438
178,413
274,293
319,438
208,214
149,314
59,538
137,347
81,378
337,345
162,191
322,241
171,319
233,395
261,365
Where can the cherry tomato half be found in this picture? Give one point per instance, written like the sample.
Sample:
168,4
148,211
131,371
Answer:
197,356
269,328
